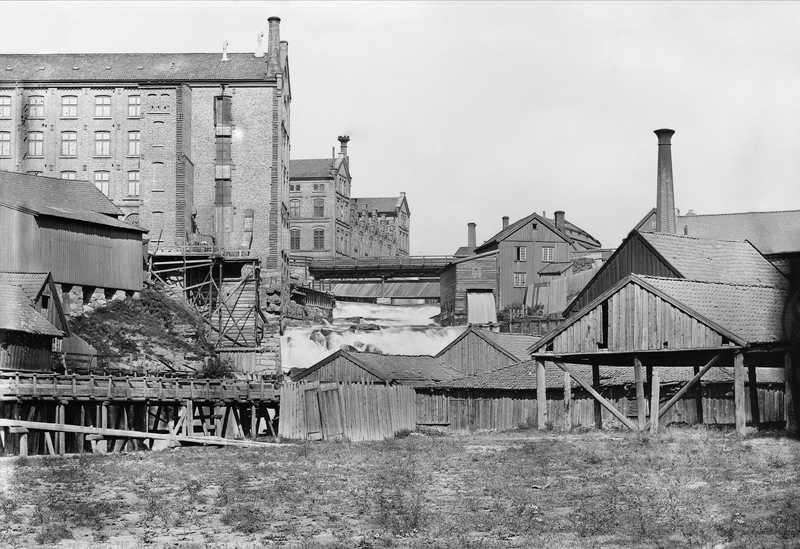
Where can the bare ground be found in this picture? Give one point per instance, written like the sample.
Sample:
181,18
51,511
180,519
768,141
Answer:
689,487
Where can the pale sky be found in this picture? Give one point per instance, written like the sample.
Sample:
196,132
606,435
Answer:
478,110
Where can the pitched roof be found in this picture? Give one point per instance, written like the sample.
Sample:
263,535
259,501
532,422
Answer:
519,376
754,313
515,346
380,203
736,262
555,268
610,375
464,251
17,313
397,290
311,168
131,67
31,283
771,232
571,233
405,369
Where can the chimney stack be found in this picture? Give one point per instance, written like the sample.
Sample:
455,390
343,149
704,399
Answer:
260,52
273,43
559,219
665,200
343,141
471,234
505,221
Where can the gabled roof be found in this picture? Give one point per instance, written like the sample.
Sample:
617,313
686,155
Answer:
386,204
555,268
38,192
572,233
520,376
131,67
464,251
771,232
403,369
31,283
514,346
311,168
17,313
737,262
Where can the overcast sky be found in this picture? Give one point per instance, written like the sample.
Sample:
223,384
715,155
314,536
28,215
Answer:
479,110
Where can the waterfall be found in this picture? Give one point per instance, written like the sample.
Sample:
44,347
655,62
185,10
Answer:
480,308
389,329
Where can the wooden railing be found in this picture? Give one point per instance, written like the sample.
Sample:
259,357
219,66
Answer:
27,385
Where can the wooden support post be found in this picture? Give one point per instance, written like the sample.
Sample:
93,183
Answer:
23,443
541,396
253,421
188,418
698,399
598,410
102,445
60,436
641,403
655,397
752,382
683,390
788,404
597,396
81,436
738,392
567,402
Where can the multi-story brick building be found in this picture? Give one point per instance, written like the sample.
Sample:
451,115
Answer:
193,147
325,221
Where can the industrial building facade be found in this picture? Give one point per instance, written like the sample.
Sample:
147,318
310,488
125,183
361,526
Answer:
193,147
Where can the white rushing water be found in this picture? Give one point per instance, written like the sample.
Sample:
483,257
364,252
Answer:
389,329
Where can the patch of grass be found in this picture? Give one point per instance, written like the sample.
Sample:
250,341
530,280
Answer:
245,518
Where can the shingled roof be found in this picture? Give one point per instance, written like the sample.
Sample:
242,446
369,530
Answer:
516,377
311,168
573,234
131,67
31,283
17,313
515,346
380,203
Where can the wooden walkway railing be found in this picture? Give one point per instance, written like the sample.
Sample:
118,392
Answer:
19,385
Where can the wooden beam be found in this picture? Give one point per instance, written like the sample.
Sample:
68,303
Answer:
752,386
541,396
253,421
683,390
788,404
738,392
599,398
567,402
641,403
698,399
598,411
655,397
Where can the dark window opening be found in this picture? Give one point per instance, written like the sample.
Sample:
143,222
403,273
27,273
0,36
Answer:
223,158
222,115
45,301
603,343
222,193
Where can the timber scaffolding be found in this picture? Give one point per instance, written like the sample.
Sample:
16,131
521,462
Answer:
222,287
112,414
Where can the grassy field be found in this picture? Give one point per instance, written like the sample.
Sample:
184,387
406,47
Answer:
687,487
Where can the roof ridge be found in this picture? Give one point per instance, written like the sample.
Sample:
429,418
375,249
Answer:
646,277
739,213
688,236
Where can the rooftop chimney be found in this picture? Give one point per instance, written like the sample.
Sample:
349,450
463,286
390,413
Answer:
260,46
505,221
665,200
273,42
559,219
343,141
225,50
471,234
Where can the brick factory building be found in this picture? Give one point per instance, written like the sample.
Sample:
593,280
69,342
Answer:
325,221
193,147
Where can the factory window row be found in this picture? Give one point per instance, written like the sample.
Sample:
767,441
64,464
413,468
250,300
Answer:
69,144
35,105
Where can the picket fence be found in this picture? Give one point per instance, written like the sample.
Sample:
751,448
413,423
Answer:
349,411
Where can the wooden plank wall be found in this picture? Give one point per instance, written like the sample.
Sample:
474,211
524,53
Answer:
21,351
366,412
473,355
637,320
476,274
466,411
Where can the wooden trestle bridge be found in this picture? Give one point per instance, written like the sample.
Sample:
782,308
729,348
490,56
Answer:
48,413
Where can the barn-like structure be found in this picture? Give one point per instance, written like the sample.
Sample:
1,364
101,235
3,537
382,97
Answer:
477,350
27,338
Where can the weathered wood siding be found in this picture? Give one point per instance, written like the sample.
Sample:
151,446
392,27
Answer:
473,355
74,252
341,369
21,351
475,274
634,256
638,320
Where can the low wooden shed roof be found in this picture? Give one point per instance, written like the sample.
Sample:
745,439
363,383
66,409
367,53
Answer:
515,346
17,313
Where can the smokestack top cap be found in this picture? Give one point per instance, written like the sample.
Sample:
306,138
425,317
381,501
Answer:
274,19
343,138
664,135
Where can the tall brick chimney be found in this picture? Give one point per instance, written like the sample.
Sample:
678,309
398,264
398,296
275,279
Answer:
471,234
505,221
343,141
273,45
666,221
559,219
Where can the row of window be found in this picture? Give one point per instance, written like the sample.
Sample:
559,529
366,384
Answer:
34,108
548,253
69,143
319,208
319,239
102,180
317,187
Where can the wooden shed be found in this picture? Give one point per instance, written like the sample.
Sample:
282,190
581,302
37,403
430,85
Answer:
478,350
474,276
70,229
27,339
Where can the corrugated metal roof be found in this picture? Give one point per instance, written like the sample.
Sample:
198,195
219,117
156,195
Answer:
131,67
31,283
754,313
311,168
17,313
395,290
709,260
37,192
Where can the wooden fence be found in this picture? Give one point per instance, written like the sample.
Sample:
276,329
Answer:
352,411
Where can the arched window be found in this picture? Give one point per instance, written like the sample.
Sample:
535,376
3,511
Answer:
133,218
294,239
319,239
